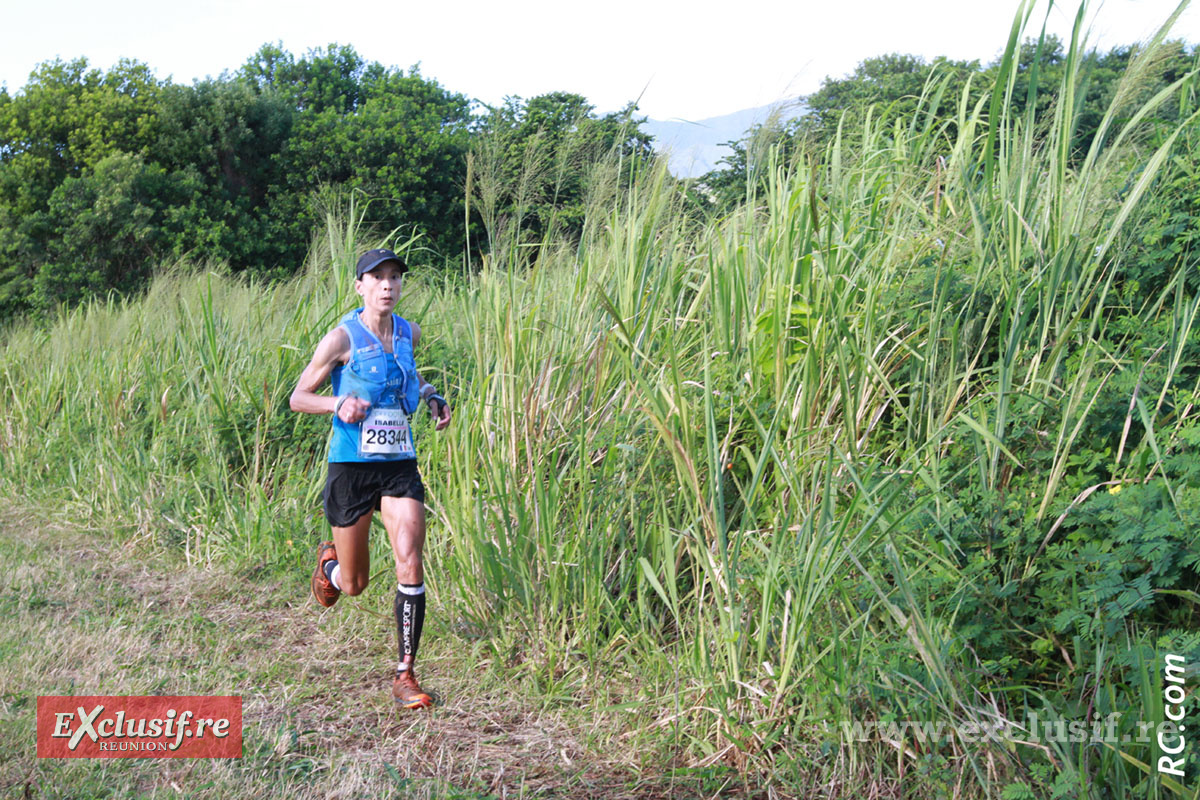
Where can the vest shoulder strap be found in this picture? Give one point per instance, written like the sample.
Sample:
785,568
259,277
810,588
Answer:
401,327
359,336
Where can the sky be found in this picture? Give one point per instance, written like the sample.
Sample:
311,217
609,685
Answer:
680,60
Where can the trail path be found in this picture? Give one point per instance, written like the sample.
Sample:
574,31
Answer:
80,614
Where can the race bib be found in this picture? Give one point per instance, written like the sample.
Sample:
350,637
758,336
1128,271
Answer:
385,432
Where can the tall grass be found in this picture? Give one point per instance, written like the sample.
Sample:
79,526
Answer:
684,453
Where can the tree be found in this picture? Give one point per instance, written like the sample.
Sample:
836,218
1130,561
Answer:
893,83
745,170
225,137
404,145
67,119
107,228
106,175
535,161
331,78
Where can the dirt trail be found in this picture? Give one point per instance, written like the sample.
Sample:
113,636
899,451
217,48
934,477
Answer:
83,615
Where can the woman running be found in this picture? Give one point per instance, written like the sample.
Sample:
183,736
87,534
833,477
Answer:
372,460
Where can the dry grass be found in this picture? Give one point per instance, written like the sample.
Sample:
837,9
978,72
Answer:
85,615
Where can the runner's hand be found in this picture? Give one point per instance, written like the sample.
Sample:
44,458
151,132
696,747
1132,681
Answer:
440,410
354,409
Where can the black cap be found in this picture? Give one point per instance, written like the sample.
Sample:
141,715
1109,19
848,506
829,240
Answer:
373,258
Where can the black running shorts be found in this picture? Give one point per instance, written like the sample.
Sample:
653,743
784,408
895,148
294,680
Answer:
353,489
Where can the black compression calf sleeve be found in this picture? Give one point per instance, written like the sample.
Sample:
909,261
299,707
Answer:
410,618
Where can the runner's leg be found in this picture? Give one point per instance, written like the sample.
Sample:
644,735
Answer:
404,519
354,555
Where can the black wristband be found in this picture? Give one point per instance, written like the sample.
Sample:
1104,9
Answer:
435,411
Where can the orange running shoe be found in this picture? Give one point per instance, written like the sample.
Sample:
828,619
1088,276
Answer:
408,693
323,590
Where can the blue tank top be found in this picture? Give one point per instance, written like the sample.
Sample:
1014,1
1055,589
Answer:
388,381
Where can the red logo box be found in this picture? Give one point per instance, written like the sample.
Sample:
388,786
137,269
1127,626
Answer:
139,726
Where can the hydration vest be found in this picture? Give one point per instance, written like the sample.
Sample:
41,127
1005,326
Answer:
388,381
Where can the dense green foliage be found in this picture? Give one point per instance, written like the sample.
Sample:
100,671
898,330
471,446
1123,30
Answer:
532,166
106,177
891,87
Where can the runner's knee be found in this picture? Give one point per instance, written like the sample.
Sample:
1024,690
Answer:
353,585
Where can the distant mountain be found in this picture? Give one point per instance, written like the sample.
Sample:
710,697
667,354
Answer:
696,147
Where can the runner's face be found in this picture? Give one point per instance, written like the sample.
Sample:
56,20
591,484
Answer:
380,288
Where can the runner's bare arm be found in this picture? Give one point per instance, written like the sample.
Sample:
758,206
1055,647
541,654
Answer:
332,350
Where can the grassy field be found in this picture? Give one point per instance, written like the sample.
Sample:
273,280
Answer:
86,612
901,438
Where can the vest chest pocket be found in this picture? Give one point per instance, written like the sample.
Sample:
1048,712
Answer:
370,375
373,365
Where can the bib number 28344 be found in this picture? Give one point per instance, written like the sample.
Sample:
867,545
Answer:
385,432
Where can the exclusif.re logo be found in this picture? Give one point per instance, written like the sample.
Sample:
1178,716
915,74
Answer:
139,726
